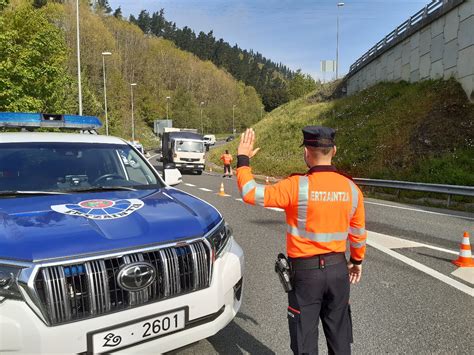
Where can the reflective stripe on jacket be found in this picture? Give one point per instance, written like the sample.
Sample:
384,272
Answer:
226,158
323,210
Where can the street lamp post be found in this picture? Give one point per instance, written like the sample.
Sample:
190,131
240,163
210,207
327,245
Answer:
167,106
202,127
133,120
104,54
78,58
339,4
233,119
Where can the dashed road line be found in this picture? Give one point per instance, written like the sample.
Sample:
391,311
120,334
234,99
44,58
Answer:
204,189
190,185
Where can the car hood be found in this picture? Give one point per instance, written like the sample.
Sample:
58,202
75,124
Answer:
60,226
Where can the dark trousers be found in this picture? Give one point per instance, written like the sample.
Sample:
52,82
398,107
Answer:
320,293
227,169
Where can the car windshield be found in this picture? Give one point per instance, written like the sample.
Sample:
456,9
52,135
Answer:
69,167
190,146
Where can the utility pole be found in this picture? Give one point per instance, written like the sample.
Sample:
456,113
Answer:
339,4
78,58
167,106
133,119
105,92
233,119
202,127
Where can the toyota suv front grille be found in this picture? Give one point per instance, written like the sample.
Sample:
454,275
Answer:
73,292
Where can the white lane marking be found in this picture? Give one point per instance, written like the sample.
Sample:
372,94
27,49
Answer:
440,249
189,184
153,156
239,199
224,195
399,243
429,271
465,273
274,209
390,242
204,189
417,210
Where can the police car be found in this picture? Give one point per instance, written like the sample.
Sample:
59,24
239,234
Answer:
98,253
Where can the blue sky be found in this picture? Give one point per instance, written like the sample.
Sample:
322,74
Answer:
298,33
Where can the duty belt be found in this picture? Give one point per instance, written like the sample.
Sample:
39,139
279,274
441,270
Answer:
317,261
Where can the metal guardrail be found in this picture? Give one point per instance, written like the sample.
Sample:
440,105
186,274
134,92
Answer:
414,23
418,186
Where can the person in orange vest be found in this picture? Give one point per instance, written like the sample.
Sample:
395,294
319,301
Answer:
323,209
227,160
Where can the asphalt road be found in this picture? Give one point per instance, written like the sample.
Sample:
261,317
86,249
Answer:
398,307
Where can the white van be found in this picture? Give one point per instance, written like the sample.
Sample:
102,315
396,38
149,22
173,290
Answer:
209,139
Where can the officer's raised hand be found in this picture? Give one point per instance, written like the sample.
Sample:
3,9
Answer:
247,141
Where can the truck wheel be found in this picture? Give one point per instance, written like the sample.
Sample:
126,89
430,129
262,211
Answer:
199,172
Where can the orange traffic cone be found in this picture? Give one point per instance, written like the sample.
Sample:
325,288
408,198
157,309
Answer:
465,257
221,190
267,181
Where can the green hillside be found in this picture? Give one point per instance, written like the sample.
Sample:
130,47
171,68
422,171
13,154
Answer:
38,72
414,132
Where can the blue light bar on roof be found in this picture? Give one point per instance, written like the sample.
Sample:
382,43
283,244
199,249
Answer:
45,120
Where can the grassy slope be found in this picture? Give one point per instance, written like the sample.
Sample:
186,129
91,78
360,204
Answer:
416,132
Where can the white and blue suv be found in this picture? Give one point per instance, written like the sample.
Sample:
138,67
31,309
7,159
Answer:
98,253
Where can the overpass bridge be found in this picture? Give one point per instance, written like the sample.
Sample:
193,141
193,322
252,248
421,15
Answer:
435,43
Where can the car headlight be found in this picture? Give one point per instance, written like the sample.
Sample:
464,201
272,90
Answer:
8,282
220,237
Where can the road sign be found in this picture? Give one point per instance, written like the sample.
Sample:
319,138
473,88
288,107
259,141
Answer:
160,125
328,66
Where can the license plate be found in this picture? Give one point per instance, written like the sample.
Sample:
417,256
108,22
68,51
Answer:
189,166
136,332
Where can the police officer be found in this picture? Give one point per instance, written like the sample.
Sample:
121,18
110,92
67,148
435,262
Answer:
227,160
323,209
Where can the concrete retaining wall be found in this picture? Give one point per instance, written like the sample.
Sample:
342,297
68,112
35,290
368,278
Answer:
442,49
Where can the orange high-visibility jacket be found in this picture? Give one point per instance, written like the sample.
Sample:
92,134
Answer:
323,209
226,158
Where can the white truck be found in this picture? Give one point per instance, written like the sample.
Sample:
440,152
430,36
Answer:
183,149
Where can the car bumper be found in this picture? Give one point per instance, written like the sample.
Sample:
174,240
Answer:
189,166
208,310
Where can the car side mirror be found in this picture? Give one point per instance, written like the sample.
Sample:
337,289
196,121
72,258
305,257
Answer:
172,176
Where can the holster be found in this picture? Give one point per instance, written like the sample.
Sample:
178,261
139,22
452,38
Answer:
282,268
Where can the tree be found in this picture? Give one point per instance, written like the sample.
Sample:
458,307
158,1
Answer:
33,72
248,66
300,85
144,21
104,5
118,13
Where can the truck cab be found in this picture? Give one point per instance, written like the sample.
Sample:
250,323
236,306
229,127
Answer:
98,253
185,150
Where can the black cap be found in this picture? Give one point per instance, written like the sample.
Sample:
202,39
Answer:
318,136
